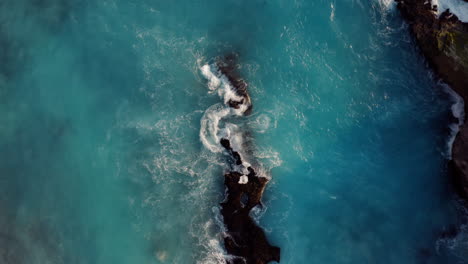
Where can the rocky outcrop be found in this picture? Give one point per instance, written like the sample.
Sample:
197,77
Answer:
228,67
444,42
244,240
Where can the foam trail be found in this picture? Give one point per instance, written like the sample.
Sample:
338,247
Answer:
216,255
214,81
211,132
387,4
210,126
220,83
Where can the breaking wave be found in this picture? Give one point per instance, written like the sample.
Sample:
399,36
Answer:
458,112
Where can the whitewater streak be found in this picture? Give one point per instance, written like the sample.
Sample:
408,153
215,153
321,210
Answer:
234,105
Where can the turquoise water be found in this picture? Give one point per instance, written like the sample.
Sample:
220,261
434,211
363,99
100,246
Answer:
100,109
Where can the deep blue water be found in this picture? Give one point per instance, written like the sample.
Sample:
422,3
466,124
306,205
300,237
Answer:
100,155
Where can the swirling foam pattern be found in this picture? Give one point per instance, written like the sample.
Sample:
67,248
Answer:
100,152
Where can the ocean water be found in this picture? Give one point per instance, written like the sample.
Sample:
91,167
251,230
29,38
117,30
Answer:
101,159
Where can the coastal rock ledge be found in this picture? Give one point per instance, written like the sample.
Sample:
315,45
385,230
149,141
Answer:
443,40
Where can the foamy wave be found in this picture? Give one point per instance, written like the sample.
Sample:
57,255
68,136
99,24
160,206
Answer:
215,253
457,7
457,242
210,126
387,4
214,81
218,82
458,112
211,132
257,212
261,123
213,129
271,159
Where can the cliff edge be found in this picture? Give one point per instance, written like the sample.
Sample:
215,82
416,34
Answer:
443,40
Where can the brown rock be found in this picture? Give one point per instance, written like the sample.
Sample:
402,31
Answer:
244,238
444,43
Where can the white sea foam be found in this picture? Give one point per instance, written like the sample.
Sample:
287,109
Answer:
261,123
211,132
257,212
213,129
234,134
215,253
457,7
458,112
332,13
243,179
214,81
458,242
218,82
387,4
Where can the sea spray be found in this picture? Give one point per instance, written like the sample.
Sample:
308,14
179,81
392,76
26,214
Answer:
458,112
457,7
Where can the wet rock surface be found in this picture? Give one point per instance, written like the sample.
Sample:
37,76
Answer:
229,67
244,240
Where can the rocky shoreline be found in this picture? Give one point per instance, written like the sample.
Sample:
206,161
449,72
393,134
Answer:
444,43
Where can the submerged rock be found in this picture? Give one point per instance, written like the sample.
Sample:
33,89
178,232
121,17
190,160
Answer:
444,42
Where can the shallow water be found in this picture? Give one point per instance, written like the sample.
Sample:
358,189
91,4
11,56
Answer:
101,159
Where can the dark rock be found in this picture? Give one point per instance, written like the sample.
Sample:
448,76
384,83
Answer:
230,68
444,43
226,144
234,154
235,104
244,238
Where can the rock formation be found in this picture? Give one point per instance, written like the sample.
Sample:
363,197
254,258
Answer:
244,240
444,42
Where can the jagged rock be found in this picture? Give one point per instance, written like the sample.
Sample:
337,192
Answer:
245,239
229,67
234,154
235,104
